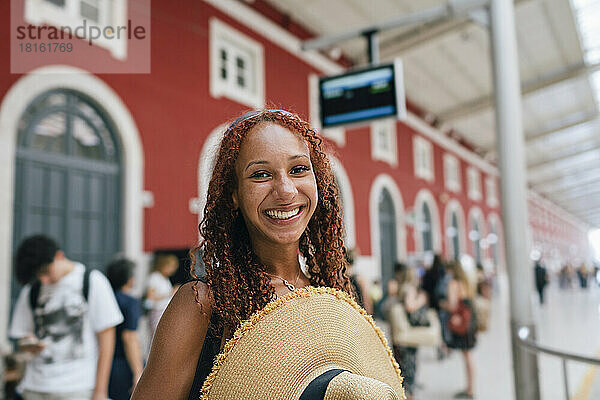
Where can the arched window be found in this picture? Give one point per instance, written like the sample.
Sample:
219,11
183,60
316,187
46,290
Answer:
454,233
425,226
387,235
63,122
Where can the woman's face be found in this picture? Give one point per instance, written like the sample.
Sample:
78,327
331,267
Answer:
276,187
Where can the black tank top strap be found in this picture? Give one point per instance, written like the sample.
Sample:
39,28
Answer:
210,349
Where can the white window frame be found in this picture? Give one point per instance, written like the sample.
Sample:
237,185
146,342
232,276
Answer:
452,173
491,195
237,44
38,12
423,158
474,183
383,141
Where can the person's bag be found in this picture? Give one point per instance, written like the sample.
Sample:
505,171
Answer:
461,319
482,311
404,334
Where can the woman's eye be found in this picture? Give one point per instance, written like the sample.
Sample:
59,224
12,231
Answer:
259,174
299,169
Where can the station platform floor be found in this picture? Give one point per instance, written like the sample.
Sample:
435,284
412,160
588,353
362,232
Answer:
569,321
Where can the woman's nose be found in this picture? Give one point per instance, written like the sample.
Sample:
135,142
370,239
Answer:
285,188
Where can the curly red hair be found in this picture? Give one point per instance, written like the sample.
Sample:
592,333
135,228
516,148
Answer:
237,279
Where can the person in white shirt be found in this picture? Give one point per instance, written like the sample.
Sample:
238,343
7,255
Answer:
159,289
66,317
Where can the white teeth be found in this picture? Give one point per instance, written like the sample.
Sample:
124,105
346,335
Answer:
283,214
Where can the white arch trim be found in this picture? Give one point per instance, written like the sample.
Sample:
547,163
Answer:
348,200
454,206
206,163
16,100
385,181
425,196
475,214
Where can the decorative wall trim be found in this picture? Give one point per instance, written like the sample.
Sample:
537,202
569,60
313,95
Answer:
385,181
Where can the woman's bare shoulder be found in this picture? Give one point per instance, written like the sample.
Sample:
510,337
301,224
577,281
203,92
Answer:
177,344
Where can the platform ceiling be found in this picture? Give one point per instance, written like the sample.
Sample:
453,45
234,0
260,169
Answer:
448,73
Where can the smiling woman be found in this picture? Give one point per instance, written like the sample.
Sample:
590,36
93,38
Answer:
272,197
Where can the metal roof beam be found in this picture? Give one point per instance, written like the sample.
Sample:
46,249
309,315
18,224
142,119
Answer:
426,33
573,184
580,208
451,9
574,195
549,161
567,173
571,121
486,102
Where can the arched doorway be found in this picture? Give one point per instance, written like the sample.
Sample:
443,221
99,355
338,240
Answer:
455,237
475,236
387,235
68,177
425,226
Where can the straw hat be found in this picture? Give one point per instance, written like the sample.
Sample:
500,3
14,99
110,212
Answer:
314,343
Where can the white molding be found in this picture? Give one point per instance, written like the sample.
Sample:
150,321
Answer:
425,196
454,206
420,144
385,181
337,135
348,200
17,99
454,184
39,12
474,191
390,155
206,163
147,199
221,33
491,192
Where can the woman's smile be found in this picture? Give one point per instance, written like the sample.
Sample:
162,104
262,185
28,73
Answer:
282,216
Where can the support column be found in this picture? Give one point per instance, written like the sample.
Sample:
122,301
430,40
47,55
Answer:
513,172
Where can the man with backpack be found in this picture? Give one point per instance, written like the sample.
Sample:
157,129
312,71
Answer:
65,316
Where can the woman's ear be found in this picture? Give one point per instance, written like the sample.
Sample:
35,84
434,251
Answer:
234,198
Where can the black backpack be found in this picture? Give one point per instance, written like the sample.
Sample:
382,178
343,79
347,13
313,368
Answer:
34,293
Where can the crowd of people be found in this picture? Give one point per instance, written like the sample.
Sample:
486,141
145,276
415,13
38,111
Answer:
440,306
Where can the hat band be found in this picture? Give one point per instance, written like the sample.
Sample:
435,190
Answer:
317,387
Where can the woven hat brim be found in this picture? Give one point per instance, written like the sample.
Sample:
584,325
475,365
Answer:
280,349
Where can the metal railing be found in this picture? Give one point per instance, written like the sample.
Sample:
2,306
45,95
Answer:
530,345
